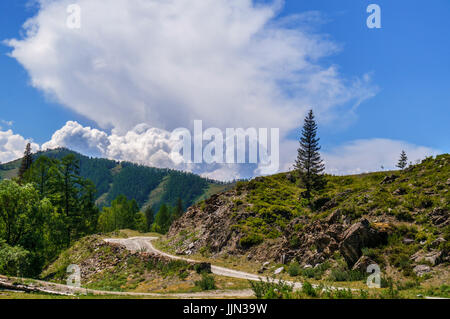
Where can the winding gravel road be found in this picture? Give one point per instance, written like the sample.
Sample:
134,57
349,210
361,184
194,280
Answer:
145,244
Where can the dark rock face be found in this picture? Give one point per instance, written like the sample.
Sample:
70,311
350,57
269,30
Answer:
358,236
440,217
389,179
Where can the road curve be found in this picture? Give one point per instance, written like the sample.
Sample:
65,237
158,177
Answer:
145,244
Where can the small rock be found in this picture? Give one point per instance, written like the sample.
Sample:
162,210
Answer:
267,263
278,271
307,266
191,245
421,270
408,241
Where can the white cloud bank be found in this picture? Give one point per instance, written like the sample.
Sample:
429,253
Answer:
149,146
368,155
13,145
230,63
152,147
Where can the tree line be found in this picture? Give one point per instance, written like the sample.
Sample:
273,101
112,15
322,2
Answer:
50,205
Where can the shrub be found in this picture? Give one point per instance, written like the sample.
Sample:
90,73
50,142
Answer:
250,240
343,294
316,272
339,274
294,269
294,242
309,290
14,261
271,290
206,283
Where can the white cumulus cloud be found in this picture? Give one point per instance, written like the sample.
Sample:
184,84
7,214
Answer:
81,139
230,63
13,145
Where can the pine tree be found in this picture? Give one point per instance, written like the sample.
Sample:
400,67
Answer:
403,161
178,209
309,165
27,161
149,217
162,220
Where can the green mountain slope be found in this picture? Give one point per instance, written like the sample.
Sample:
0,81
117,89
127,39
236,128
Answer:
399,220
147,185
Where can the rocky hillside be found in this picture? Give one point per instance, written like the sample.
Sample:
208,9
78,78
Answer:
399,220
111,267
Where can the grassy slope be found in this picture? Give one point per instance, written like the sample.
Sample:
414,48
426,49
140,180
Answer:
402,207
121,270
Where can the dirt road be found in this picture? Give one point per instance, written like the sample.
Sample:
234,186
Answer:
145,244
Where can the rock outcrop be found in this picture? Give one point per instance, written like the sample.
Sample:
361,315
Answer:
358,236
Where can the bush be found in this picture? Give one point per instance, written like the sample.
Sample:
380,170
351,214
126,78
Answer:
250,240
294,269
316,272
339,274
14,261
343,294
309,290
271,290
206,283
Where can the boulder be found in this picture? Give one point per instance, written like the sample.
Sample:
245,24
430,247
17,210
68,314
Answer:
358,236
433,257
421,270
278,271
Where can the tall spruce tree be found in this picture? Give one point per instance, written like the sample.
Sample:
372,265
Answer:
178,212
403,161
149,217
27,161
309,164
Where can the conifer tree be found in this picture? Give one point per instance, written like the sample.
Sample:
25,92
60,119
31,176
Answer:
403,161
178,209
149,217
27,160
309,164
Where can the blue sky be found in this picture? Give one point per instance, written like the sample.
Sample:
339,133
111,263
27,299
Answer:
408,62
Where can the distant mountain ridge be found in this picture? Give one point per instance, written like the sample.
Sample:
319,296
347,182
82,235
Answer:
149,186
